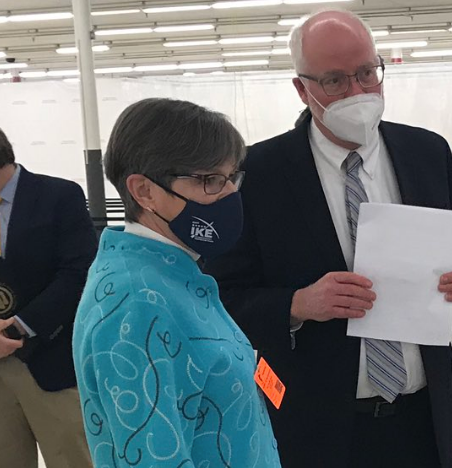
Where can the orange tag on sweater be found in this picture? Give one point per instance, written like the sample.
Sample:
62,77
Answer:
269,383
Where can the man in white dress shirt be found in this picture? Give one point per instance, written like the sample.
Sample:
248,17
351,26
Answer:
350,403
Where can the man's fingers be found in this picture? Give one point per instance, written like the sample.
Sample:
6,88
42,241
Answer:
6,342
446,279
353,303
356,291
6,323
346,277
445,288
345,312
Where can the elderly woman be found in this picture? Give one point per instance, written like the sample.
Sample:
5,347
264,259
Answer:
165,375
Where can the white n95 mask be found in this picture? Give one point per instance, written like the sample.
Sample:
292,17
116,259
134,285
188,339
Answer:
354,119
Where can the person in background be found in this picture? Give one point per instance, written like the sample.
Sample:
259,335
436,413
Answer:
47,244
350,402
165,374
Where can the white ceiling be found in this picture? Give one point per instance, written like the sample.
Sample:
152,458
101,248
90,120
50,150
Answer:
35,42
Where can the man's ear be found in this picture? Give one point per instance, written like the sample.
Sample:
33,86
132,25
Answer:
301,90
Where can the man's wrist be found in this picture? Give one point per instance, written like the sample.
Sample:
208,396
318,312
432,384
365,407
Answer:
295,316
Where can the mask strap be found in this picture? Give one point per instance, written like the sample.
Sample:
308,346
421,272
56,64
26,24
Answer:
167,189
309,92
156,214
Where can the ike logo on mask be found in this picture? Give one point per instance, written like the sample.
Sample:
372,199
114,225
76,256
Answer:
203,231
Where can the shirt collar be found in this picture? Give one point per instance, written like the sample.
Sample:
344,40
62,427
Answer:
143,231
335,155
9,190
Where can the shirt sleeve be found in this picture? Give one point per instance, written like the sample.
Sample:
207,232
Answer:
29,331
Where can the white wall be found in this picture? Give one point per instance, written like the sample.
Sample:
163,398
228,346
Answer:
43,119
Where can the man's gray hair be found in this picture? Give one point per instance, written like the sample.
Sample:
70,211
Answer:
297,34
160,137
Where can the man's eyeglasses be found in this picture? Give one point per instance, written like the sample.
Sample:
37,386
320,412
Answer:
214,183
336,83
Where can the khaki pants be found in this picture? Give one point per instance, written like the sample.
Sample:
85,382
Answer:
29,415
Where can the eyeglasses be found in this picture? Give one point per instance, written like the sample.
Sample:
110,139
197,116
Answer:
214,183
336,83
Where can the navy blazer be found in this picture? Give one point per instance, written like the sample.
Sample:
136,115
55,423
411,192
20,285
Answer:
289,242
51,244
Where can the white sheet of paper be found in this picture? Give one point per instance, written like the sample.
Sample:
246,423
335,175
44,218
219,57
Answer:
404,250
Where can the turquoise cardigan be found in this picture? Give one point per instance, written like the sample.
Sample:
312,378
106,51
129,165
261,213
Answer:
165,375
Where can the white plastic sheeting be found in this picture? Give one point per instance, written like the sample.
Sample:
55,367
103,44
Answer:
43,118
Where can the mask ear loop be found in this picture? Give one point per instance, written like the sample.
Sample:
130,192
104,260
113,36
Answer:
313,97
167,190
156,214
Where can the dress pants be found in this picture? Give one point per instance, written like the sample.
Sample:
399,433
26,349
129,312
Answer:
404,440
30,415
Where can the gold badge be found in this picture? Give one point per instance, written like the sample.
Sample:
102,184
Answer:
7,302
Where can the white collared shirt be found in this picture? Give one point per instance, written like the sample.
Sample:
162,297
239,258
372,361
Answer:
143,231
379,180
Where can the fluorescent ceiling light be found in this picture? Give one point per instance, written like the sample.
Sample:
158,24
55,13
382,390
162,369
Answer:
72,80
188,27
268,75
5,76
190,43
67,50
401,45
292,22
246,63
33,74
63,73
116,32
282,38
189,74
199,66
419,31
115,12
432,53
450,29
39,17
281,51
257,52
306,2
246,4
2,55
168,67
74,50
3,19
247,54
381,33
100,71
175,9
100,48
9,66
247,40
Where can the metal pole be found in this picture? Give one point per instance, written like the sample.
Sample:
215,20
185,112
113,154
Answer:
93,155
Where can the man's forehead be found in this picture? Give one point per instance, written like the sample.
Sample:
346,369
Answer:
341,55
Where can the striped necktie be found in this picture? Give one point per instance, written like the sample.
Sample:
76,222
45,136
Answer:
385,364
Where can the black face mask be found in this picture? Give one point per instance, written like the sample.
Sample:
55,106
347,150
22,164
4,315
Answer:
209,230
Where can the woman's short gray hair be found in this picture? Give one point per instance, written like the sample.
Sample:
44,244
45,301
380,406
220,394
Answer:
161,137
297,34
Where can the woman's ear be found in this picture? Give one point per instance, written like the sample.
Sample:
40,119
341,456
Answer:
143,191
